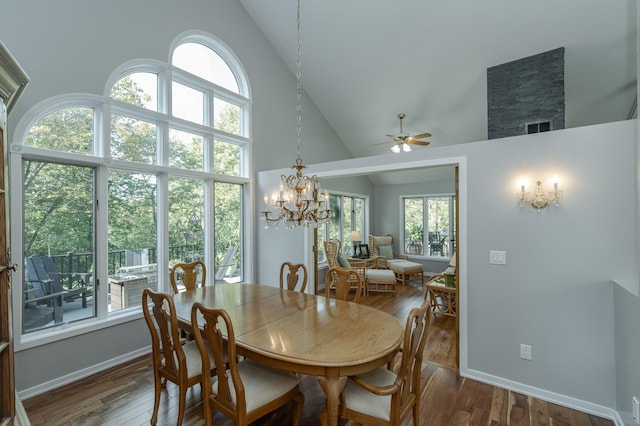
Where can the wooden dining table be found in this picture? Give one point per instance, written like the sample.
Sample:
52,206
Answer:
307,334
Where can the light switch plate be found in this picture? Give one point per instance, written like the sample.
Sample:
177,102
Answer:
497,257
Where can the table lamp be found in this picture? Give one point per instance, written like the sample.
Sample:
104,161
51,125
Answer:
355,238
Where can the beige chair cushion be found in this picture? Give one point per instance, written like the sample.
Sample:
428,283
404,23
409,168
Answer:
406,267
386,240
261,383
194,360
360,400
383,276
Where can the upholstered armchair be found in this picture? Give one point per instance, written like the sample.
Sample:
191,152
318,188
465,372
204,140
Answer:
383,246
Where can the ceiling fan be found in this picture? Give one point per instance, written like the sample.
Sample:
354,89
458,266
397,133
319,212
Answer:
402,140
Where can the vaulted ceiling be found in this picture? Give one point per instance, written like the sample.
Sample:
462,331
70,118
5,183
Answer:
365,61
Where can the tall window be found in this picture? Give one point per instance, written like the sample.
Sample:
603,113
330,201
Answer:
166,183
348,214
436,216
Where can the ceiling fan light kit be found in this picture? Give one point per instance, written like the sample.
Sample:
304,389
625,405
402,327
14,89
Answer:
402,140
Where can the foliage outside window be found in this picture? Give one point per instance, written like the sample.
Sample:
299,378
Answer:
348,214
436,215
159,156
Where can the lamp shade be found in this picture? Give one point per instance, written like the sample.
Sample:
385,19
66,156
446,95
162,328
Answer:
355,236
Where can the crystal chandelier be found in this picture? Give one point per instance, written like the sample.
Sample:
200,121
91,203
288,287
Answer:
299,202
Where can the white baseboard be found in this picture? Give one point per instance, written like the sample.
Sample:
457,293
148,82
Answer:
556,398
81,374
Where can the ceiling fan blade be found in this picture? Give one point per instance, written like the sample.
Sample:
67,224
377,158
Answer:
421,135
421,143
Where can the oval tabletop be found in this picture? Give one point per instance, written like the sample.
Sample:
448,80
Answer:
299,328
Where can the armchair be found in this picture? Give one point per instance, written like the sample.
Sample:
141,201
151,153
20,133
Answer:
405,271
382,246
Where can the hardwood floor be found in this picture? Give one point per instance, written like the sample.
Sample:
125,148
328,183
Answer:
123,395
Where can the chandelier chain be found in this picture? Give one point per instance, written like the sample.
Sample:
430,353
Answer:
299,202
299,87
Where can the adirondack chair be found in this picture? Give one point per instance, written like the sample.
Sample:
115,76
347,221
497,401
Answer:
221,269
42,291
47,282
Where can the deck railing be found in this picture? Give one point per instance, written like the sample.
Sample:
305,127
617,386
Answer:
72,263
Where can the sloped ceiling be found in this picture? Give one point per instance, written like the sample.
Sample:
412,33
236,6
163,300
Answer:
365,61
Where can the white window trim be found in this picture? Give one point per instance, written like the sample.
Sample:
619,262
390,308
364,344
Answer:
100,159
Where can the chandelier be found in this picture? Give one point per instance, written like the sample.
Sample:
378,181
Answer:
299,203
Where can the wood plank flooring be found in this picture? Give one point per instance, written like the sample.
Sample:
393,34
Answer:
123,395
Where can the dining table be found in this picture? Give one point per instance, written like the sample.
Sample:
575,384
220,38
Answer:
300,332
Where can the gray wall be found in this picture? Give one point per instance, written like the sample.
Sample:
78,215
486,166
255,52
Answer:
72,46
555,291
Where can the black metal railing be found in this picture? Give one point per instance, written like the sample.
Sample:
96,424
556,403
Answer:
82,263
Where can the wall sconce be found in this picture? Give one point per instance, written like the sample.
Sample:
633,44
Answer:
539,199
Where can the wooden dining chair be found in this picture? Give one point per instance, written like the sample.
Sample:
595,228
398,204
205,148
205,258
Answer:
382,397
188,273
173,361
244,390
289,272
340,281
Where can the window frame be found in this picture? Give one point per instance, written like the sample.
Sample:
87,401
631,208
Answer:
425,225
346,243
102,163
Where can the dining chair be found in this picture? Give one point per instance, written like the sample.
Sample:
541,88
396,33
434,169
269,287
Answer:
289,272
384,397
188,273
173,361
340,281
244,390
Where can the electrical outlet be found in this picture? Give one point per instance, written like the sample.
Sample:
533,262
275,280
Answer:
525,352
635,409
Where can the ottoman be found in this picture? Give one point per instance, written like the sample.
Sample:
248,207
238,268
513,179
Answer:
380,280
406,271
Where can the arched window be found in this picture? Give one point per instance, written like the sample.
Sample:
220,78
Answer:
168,146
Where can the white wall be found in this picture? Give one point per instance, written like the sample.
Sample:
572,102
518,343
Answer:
555,292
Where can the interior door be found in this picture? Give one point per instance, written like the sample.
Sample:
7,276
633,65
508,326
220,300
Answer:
7,384
13,81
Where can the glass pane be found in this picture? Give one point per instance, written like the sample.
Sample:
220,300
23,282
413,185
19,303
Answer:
321,233
205,63
187,103
58,245
346,225
413,226
228,232
140,89
186,150
186,223
133,140
226,158
226,116
67,129
132,238
334,224
438,225
358,218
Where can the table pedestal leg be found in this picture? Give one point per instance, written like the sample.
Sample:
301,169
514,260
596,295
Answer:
332,385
